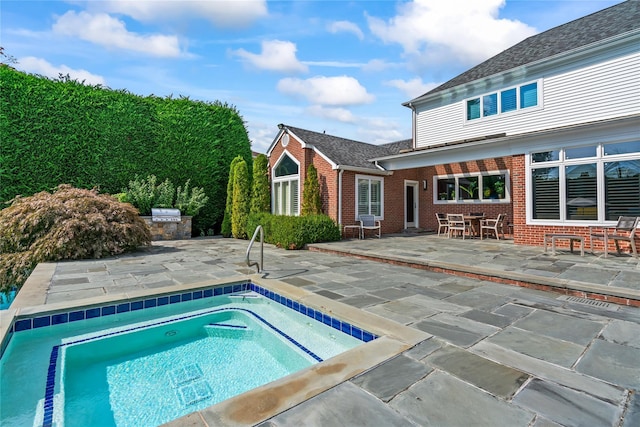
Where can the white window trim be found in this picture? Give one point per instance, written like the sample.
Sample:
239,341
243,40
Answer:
600,159
415,186
507,188
518,110
370,178
280,179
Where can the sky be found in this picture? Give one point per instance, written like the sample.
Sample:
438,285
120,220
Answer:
340,67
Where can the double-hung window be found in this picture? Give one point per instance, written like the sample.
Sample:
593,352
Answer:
285,186
511,99
369,196
594,183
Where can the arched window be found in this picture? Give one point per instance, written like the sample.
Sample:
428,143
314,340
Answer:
286,186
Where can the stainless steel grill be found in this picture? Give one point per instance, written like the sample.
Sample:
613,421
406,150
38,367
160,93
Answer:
165,215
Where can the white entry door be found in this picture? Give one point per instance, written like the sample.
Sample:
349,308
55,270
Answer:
410,204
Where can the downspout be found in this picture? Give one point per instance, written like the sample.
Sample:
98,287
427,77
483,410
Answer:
413,125
340,196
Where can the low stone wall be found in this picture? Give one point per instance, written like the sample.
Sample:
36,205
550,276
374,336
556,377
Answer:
169,230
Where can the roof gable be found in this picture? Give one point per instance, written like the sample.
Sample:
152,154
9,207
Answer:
607,23
347,152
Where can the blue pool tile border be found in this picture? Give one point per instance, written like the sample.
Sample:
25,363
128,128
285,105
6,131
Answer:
49,391
39,321
328,320
24,324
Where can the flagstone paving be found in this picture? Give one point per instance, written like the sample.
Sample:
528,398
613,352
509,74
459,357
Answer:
499,355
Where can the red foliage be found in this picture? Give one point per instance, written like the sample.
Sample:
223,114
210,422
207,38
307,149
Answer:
70,223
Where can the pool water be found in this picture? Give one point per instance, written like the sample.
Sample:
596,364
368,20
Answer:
6,298
147,368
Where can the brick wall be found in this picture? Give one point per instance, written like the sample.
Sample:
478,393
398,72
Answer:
490,209
348,198
328,180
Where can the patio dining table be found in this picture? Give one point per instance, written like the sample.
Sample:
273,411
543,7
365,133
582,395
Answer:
474,220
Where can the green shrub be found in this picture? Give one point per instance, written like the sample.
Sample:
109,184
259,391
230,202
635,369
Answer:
260,218
240,203
190,203
121,197
260,191
311,200
164,195
226,221
144,194
71,223
294,232
320,228
141,193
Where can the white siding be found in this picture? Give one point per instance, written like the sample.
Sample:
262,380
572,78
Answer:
577,95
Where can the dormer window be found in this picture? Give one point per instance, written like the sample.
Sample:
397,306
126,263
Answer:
505,101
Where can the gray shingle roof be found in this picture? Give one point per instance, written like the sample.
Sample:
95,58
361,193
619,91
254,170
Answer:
598,26
347,152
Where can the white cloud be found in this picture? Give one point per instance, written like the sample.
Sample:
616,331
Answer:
33,65
464,30
226,14
382,135
261,136
345,27
276,55
110,32
338,91
335,64
411,88
339,114
376,65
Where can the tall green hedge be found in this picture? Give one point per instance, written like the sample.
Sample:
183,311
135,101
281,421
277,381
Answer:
260,191
64,132
226,221
241,201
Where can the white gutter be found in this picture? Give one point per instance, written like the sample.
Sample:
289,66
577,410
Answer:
364,170
413,124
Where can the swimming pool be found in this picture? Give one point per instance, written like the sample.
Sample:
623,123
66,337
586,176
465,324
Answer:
147,306
176,357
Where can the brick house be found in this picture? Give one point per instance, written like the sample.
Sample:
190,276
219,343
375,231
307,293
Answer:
350,184
547,132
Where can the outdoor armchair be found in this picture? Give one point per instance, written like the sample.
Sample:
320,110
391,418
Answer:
625,231
492,224
369,222
458,224
443,224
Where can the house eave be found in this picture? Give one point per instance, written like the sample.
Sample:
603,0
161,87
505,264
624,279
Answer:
502,144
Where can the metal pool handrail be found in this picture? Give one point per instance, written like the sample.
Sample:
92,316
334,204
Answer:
259,265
